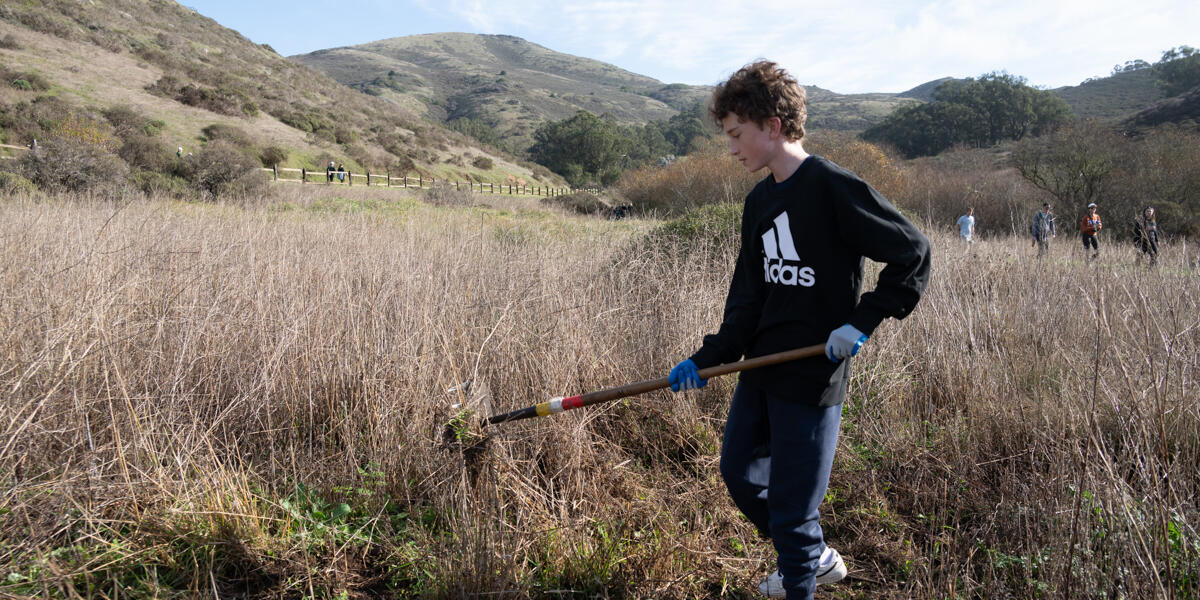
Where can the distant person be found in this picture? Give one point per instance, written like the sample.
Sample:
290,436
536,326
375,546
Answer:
1088,228
341,172
1145,234
33,145
179,152
1042,229
966,226
329,172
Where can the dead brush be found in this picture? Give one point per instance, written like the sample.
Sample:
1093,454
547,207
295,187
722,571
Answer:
215,400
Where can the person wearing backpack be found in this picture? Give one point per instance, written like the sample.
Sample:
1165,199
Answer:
1088,228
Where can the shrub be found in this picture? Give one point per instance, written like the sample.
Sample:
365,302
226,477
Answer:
221,169
9,42
708,176
128,122
717,224
222,102
585,203
229,133
64,164
12,184
482,162
22,84
273,155
161,184
145,152
443,194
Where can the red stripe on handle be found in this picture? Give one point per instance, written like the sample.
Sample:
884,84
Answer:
572,402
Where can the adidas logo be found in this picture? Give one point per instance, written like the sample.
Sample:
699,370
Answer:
781,262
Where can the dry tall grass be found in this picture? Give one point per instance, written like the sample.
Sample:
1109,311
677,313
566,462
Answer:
211,400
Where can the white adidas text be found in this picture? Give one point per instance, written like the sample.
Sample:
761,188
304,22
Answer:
780,263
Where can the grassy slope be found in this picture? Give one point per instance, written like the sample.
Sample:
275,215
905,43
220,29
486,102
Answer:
103,55
454,75
1112,98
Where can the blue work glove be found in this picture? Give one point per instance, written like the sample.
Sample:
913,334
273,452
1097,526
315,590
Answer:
844,341
685,376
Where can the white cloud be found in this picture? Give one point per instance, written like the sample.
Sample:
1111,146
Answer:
852,46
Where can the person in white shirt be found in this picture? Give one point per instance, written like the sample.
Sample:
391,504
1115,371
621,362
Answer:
966,226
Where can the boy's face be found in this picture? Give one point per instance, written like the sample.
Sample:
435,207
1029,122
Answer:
753,145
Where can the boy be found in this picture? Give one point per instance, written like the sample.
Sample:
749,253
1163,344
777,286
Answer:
805,230
1088,228
966,226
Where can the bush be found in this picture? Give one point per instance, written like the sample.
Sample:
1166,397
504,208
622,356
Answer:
717,224
482,162
12,184
9,42
273,155
708,176
128,122
161,184
64,164
229,133
443,194
220,169
585,203
144,152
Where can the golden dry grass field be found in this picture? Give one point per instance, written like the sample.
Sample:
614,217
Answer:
222,400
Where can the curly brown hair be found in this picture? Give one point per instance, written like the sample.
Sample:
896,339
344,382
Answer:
759,91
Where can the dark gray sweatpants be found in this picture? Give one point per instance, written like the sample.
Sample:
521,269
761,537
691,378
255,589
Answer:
775,459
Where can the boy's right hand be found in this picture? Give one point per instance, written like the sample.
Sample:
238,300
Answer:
686,376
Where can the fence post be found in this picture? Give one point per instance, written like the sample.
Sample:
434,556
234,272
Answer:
420,180
303,175
456,185
389,177
275,172
368,179
349,178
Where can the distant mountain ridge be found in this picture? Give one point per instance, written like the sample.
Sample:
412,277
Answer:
515,85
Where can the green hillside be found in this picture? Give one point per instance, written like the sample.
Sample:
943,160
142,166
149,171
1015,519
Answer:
514,85
503,81
1111,98
170,64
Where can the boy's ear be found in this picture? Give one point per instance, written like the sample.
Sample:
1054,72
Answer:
774,126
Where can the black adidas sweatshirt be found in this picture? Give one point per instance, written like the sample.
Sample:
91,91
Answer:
799,273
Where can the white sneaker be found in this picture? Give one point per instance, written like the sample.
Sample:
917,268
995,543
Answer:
831,569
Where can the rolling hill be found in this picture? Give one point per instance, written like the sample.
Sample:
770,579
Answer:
171,64
514,85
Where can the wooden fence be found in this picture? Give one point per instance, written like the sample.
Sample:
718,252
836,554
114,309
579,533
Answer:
348,178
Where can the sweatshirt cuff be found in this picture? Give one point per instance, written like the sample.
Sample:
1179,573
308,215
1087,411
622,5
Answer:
865,319
705,358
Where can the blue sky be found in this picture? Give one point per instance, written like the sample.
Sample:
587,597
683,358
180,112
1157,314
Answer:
851,46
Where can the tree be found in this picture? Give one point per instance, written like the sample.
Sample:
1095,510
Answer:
1075,164
582,148
976,112
1179,70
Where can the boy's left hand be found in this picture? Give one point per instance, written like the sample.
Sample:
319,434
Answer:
844,341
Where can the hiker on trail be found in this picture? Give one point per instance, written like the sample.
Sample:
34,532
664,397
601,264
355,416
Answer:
1145,234
179,152
1088,228
1042,229
341,172
966,226
805,231
329,172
